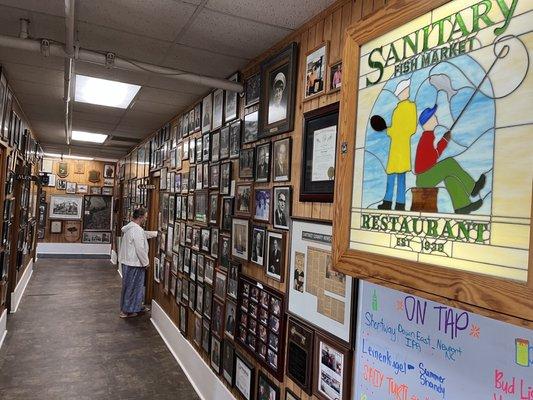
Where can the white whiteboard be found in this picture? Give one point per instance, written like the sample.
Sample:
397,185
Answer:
409,348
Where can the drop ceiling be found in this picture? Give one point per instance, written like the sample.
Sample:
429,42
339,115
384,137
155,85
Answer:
209,37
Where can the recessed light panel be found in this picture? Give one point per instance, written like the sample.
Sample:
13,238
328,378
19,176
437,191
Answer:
104,92
88,137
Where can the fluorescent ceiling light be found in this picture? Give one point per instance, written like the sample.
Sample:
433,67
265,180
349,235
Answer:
104,92
56,155
88,137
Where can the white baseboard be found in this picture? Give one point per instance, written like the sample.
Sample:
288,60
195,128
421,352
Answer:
16,296
204,381
73,248
3,327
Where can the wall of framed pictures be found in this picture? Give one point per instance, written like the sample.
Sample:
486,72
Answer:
78,201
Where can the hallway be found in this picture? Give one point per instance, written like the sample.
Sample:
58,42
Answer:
66,341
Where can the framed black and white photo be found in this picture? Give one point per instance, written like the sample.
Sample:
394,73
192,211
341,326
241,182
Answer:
71,188
56,226
252,90
227,213
197,330
185,151
225,177
235,139
200,206
199,299
213,209
206,335
278,77
214,242
251,127
95,190
191,121
239,231
243,199
215,146
233,279
206,147
281,160
262,163
318,154
106,191
207,113
197,125
275,255
224,142
66,207
262,204
289,395
183,320
246,163
199,150
316,64
218,108
230,319
109,171
61,184
209,270
96,237
217,316
228,361
231,101
220,285
257,249
282,207
208,301
216,353
225,250
266,389
244,377
205,240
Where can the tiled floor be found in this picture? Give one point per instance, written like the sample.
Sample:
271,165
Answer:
66,341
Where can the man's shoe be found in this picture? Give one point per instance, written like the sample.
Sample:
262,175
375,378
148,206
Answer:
386,205
476,205
480,184
399,207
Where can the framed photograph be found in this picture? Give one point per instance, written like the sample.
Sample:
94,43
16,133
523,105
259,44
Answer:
262,203
300,346
235,139
225,250
316,64
218,108
96,237
199,176
311,261
244,377
224,143
252,90
225,177
228,361
217,317
332,370
192,178
243,199
61,184
216,353
71,188
251,127
106,191
318,153
227,213
213,209
197,330
208,301
97,213
183,321
56,226
262,162
109,181
214,176
199,299
246,163
215,146
109,171
278,77
282,207
266,389
239,232
209,271
66,207
258,245
205,240
229,319
206,147
200,206
206,335
185,151
220,285
214,242
275,255
233,280
191,121
207,113
197,125
95,190
231,101
281,160
335,77
289,395
199,150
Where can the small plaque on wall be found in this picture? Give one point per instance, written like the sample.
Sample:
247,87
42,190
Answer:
300,354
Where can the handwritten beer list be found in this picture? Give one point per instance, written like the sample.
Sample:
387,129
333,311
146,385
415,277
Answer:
409,348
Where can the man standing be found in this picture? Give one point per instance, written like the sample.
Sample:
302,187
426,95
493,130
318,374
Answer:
430,172
133,256
403,126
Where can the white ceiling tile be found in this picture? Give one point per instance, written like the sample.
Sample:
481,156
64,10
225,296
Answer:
52,7
41,25
163,96
36,88
287,13
231,35
35,74
165,110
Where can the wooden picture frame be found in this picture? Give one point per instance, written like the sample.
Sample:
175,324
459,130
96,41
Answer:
246,163
334,76
56,226
316,71
266,389
243,199
300,347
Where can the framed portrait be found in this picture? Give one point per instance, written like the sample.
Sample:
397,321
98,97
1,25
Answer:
235,139
225,250
200,206
281,160
95,190
233,280
213,208
217,317
185,151
220,284
257,249
278,77
334,77
82,188
206,147
97,213
207,113
214,242
311,261
192,295
218,108
66,207
106,191
225,177
300,346
275,255
215,146
197,125
192,178
61,184
199,149
191,121
205,236
199,176
318,154
71,188
206,335
205,178
109,181
252,90
262,162
266,389
197,330
240,231
251,127
316,65
262,204
208,301
227,213
230,318
214,176
199,299
56,226
224,143
282,207
228,361
183,321
209,271
244,377
231,101
246,163
290,395
109,171
216,353
331,377
243,199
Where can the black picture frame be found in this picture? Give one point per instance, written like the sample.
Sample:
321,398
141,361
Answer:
228,362
281,160
265,387
235,129
251,126
317,190
252,90
279,70
231,101
262,163
244,377
281,214
225,177
215,354
300,347
247,163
